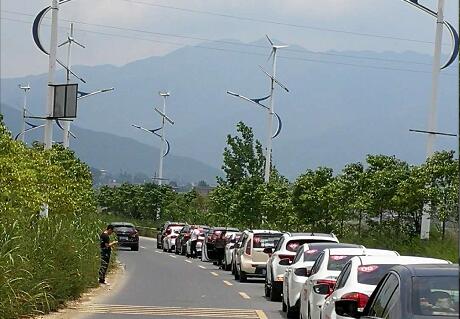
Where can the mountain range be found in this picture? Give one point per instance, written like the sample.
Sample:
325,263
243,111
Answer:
341,106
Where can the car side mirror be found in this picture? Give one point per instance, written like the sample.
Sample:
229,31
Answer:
347,308
237,245
285,262
321,289
268,250
308,273
231,246
302,272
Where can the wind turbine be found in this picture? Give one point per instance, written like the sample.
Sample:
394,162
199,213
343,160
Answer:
70,40
270,108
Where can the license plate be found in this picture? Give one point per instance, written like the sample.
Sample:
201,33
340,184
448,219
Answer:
123,238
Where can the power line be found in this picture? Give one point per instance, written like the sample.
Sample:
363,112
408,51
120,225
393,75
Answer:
311,27
230,42
248,53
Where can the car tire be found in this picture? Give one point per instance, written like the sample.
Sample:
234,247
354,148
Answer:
135,248
291,312
283,306
237,274
275,295
243,276
266,289
164,249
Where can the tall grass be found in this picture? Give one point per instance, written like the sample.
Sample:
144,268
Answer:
44,261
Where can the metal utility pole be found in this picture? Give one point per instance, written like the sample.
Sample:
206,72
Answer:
432,117
271,111
48,135
162,136
25,88
70,40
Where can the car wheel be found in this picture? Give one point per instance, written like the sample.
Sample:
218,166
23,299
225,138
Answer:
274,293
237,274
266,288
243,276
135,247
291,312
283,306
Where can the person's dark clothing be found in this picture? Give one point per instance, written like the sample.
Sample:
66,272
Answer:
105,256
105,239
193,248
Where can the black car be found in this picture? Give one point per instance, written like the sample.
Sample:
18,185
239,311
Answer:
410,292
215,242
127,235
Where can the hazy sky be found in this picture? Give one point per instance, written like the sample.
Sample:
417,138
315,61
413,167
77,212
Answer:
121,31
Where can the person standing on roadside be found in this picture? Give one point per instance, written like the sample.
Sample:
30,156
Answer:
106,250
194,240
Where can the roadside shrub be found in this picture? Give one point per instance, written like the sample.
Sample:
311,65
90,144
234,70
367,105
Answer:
44,261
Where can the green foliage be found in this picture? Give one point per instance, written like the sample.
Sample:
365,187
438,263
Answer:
44,261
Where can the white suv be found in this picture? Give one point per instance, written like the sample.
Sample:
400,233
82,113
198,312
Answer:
250,258
282,257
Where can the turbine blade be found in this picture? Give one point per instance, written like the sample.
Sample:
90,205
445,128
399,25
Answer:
63,43
79,44
269,40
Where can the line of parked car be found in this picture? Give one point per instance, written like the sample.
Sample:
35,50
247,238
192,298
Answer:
314,276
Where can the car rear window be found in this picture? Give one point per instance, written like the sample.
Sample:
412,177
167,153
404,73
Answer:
265,240
371,274
311,254
294,244
435,296
123,228
336,262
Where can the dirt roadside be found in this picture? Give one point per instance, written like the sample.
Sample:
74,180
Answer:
116,279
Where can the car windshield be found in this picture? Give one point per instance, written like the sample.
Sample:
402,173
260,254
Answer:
265,240
371,274
435,296
336,262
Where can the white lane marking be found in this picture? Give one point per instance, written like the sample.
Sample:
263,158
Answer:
244,295
214,273
172,256
188,261
157,251
142,247
228,283
202,267
148,238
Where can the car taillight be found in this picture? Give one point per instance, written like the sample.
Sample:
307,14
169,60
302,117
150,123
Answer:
248,249
360,298
168,231
329,282
133,233
173,236
290,257
186,236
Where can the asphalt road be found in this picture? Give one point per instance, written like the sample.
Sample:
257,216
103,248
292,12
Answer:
164,285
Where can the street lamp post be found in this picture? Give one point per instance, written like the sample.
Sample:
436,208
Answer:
48,134
271,112
25,88
432,117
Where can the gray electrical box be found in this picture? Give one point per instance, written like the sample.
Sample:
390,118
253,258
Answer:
65,101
